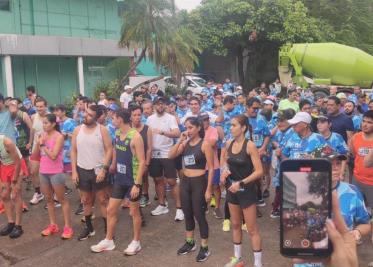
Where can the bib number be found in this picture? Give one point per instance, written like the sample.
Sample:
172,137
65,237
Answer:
121,168
189,160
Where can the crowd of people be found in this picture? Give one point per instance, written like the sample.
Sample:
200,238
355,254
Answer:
221,143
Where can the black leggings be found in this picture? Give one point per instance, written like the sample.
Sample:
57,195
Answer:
193,203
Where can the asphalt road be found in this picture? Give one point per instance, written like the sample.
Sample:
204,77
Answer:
160,240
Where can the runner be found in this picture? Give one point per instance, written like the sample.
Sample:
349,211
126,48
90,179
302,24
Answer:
129,163
147,137
195,187
91,154
11,190
50,147
164,128
241,167
37,129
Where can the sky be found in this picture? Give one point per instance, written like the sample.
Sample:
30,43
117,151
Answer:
187,4
300,180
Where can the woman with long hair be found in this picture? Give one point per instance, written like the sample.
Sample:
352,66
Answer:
241,168
196,185
50,148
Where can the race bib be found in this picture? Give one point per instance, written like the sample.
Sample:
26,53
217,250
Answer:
121,168
189,160
363,151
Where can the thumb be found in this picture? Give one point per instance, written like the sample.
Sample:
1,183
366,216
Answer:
334,235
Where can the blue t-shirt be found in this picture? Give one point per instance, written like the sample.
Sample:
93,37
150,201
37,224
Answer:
111,128
181,112
226,123
228,87
298,148
67,127
357,120
206,106
260,130
353,98
336,142
241,109
352,205
341,124
7,125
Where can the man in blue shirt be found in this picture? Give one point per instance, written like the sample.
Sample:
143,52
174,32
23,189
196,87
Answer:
350,111
226,116
341,123
261,137
305,144
7,118
228,86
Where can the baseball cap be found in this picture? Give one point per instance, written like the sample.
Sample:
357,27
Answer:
268,102
113,107
341,96
301,117
159,99
322,118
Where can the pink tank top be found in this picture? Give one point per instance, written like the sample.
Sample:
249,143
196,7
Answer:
47,165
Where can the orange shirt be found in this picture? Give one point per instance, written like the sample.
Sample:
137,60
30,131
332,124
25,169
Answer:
361,148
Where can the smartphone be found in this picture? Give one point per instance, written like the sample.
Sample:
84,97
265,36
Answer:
306,203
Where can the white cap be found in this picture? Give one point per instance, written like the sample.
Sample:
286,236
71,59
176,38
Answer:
239,87
268,102
300,117
127,87
341,96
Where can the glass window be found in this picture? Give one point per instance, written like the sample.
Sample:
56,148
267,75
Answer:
5,5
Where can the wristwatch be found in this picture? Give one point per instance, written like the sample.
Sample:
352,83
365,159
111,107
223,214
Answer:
138,186
242,184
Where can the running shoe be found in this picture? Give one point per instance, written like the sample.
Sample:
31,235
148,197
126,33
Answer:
36,198
179,215
104,245
6,230
67,233
203,254
79,210
266,193
159,210
85,234
83,218
235,262
226,225
218,214
16,232
186,248
133,248
275,214
51,229
213,202
144,201
260,203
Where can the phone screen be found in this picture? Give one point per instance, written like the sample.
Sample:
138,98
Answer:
305,208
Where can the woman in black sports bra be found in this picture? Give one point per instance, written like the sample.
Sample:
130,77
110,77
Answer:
195,185
240,169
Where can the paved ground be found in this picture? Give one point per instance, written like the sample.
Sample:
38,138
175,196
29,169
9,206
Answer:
160,240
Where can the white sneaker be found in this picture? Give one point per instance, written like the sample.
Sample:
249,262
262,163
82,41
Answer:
159,210
36,198
179,215
133,248
104,245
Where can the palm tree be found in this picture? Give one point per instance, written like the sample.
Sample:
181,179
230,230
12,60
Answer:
152,25
147,25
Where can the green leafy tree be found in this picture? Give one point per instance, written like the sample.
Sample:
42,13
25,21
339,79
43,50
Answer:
254,29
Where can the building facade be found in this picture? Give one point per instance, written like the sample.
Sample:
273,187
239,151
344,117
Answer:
61,47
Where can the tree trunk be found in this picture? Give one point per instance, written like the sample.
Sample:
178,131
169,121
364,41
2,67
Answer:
133,67
148,81
241,74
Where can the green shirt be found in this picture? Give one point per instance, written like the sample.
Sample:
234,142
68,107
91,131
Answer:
286,104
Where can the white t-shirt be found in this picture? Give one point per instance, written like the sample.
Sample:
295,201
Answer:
125,98
162,144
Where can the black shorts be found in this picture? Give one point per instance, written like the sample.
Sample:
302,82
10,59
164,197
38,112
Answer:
87,181
162,168
244,198
24,152
122,191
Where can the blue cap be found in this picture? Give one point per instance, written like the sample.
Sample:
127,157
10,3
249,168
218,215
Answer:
113,107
